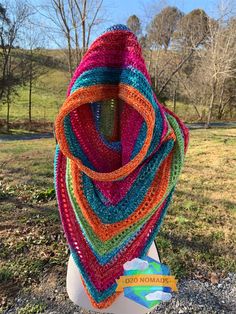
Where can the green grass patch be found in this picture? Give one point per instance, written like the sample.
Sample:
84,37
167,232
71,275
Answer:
198,233
185,111
48,94
32,308
5,274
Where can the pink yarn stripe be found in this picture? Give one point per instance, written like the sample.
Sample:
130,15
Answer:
130,119
77,241
82,120
132,57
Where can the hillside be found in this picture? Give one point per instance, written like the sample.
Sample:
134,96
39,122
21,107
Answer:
49,91
49,88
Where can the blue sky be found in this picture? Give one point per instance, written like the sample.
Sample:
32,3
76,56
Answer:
119,11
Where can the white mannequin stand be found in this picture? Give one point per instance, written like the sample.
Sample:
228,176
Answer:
121,305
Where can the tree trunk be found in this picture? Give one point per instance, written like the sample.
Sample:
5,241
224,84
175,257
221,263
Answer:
69,55
84,26
75,27
174,100
198,113
8,111
7,74
4,71
221,104
207,125
30,91
150,61
155,77
30,100
77,48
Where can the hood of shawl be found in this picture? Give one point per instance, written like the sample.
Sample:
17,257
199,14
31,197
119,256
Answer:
110,122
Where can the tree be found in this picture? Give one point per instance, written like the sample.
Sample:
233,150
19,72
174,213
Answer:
210,82
194,88
75,20
163,26
31,61
12,17
62,14
193,28
134,24
88,13
182,50
227,97
219,62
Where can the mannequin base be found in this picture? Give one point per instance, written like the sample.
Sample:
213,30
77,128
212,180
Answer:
78,295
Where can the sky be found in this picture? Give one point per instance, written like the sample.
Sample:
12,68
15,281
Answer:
118,11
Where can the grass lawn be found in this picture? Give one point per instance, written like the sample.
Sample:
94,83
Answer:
197,238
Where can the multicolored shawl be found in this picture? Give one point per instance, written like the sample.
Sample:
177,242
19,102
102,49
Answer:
117,161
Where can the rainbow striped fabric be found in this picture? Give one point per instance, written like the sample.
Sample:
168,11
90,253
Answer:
117,162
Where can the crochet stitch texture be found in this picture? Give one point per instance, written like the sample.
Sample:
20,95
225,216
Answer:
117,162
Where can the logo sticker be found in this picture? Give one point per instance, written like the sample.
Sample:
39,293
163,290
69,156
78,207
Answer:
147,282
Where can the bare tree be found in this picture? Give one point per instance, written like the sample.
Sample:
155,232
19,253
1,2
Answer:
88,13
207,80
75,26
167,65
193,86
219,62
75,20
31,58
13,16
63,16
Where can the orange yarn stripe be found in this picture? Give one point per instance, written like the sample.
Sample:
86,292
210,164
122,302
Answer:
99,93
107,231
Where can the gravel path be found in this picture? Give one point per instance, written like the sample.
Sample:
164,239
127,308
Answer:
203,297
194,296
201,125
24,137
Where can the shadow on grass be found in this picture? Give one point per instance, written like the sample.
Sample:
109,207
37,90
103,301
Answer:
32,244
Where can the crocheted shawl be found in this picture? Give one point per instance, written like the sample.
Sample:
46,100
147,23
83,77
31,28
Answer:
118,158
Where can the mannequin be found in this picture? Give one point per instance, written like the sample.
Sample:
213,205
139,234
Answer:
77,293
